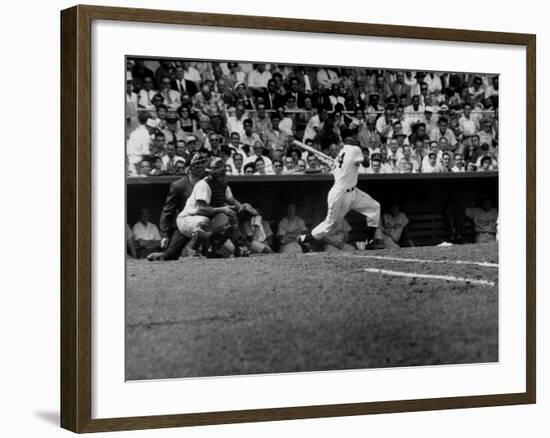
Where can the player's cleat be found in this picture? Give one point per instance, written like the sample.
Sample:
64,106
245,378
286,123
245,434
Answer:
155,256
304,244
376,244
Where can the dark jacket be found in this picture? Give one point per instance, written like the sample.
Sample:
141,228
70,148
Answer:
177,196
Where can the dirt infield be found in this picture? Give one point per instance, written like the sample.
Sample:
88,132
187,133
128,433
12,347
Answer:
275,313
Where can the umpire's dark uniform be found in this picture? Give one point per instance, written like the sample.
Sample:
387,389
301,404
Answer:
179,191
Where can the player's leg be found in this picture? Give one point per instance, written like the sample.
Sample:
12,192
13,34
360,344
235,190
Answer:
174,249
198,229
338,204
370,208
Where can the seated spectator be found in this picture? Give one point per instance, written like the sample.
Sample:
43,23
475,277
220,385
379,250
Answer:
485,221
157,167
187,124
485,164
445,162
180,168
444,131
431,165
258,234
459,165
144,169
250,169
408,159
172,99
237,163
408,168
139,142
312,164
146,235
376,165
300,166
146,94
289,165
290,227
257,153
471,167
278,167
250,137
235,122
261,168
338,239
393,225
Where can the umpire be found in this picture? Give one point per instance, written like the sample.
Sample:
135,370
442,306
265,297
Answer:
172,241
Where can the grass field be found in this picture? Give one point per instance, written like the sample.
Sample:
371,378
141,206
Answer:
309,312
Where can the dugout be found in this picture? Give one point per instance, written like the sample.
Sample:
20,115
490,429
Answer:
427,199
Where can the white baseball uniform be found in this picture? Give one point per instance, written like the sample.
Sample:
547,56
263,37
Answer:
345,196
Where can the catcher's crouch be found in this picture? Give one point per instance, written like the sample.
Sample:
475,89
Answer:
210,213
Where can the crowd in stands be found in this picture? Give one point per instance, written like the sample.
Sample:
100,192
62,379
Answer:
250,114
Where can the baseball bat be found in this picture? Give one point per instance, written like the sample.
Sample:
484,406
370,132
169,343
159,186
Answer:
314,151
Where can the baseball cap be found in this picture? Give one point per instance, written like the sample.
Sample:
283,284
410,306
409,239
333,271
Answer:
152,123
216,162
190,138
443,108
428,109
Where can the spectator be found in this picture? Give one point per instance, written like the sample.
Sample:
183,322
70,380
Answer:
258,79
237,163
431,165
459,165
290,227
394,224
485,221
235,123
258,234
443,131
278,166
183,85
147,93
146,235
250,138
139,142
250,169
172,99
338,240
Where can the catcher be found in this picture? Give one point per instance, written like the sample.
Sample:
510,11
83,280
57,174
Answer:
210,215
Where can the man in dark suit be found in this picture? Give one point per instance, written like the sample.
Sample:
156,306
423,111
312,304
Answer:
272,99
294,92
172,241
182,85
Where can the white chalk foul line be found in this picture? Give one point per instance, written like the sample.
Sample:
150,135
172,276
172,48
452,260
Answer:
429,276
400,259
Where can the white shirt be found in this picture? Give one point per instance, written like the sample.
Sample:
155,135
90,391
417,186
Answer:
146,232
172,98
236,125
257,79
138,144
254,157
192,74
310,133
201,192
145,98
467,126
347,167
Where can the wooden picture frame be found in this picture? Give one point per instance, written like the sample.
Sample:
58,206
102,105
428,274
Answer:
76,218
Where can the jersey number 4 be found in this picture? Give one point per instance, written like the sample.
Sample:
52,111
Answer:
340,159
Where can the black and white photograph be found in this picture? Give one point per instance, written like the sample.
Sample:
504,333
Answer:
286,218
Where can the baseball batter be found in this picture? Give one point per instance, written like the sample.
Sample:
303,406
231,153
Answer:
345,196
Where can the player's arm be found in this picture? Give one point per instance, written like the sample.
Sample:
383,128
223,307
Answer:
239,206
203,209
361,159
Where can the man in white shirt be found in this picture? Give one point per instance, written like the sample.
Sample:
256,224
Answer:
467,125
235,123
172,99
485,221
146,94
314,126
146,235
431,165
258,78
139,142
